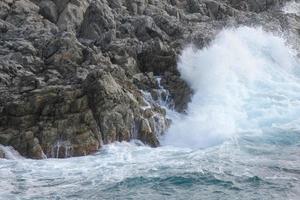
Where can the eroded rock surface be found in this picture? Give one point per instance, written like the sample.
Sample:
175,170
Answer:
73,74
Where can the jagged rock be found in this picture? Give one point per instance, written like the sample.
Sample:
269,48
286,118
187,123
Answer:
218,10
4,8
146,81
64,54
146,134
157,57
136,6
118,110
2,154
146,29
113,108
28,83
179,90
194,6
169,25
3,27
71,72
98,20
61,4
72,14
254,5
50,116
48,10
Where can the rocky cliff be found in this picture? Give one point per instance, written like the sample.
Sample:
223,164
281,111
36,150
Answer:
73,72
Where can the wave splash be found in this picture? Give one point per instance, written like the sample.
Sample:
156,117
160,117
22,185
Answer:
292,7
247,80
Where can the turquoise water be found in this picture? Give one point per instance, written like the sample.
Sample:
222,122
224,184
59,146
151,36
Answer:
240,138
251,167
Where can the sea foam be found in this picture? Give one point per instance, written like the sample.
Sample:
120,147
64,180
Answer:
247,80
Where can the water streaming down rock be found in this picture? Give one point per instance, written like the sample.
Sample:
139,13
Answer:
62,149
160,100
247,80
9,153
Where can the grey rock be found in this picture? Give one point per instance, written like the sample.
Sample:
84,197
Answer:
254,5
50,116
179,91
71,72
2,154
146,29
136,6
72,15
157,57
98,20
61,4
48,10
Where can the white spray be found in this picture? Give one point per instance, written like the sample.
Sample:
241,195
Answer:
245,81
292,7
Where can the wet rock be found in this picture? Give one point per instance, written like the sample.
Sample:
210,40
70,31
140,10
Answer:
113,108
146,134
2,154
179,91
117,109
145,81
50,116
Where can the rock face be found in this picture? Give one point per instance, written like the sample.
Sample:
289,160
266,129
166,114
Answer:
2,154
75,75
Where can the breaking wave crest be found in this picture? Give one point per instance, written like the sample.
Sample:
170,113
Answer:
247,80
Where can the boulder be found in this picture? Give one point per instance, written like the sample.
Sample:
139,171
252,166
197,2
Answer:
48,10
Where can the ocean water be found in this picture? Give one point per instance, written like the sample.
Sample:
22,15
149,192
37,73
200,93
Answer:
240,138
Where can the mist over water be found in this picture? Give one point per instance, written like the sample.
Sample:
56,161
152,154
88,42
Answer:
247,80
240,138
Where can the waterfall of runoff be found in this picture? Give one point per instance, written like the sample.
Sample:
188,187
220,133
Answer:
239,139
